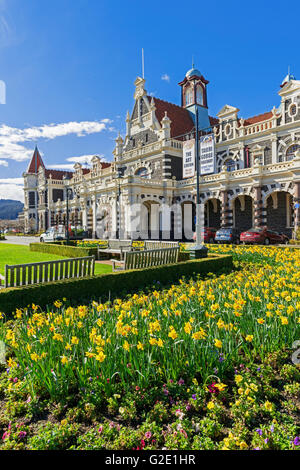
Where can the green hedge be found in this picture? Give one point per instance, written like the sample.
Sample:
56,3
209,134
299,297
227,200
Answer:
294,242
105,286
63,250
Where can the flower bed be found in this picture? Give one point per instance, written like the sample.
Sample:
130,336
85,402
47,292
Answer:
205,364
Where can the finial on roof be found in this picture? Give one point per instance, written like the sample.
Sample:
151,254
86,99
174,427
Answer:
288,77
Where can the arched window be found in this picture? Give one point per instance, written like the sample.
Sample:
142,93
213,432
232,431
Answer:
290,153
189,96
142,172
230,164
199,95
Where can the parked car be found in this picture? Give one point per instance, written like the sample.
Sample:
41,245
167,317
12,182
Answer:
53,234
208,234
228,235
263,236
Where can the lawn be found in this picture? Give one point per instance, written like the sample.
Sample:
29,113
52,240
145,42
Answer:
20,254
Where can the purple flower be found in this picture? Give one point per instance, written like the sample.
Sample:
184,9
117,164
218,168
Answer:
296,441
272,428
194,396
266,440
180,382
259,431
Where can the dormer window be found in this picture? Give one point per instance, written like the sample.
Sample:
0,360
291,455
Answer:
189,98
199,95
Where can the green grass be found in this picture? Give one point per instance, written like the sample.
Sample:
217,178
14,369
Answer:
20,254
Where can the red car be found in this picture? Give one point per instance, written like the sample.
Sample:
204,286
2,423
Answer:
209,234
263,236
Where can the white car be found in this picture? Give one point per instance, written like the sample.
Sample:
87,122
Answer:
53,234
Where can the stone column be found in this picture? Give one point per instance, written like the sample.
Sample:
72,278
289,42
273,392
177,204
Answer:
226,212
258,207
296,201
84,214
274,148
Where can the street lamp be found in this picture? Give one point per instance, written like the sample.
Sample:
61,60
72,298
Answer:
68,192
119,177
199,250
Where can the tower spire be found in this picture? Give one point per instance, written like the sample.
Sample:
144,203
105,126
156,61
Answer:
36,162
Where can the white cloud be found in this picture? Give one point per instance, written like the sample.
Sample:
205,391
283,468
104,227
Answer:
165,77
3,163
12,139
67,166
12,180
12,188
82,159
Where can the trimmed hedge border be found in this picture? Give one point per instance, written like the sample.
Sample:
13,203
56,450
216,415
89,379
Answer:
59,248
105,286
63,250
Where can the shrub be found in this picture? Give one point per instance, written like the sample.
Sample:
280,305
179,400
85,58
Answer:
294,242
104,286
63,250
54,437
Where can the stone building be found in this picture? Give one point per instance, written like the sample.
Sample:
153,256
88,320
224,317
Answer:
256,181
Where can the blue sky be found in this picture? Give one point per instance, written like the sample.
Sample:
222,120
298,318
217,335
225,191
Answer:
69,68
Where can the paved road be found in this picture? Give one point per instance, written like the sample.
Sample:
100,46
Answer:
19,240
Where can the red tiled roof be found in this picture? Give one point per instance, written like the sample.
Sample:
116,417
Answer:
258,118
36,162
181,120
58,174
105,164
180,117
213,121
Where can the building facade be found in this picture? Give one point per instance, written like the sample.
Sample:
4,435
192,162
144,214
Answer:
256,181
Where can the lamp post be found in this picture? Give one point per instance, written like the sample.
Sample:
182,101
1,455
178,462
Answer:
68,191
199,250
119,177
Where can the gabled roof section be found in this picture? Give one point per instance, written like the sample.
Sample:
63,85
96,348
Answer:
289,87
227,110
36,162
181,121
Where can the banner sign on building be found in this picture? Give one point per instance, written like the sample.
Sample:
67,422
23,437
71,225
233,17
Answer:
188,158
207,154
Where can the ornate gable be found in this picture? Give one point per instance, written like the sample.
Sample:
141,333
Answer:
227,112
